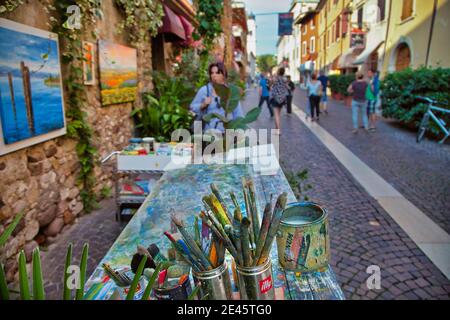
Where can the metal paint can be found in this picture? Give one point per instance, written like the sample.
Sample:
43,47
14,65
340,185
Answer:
215,284
303,241
176,292
256,283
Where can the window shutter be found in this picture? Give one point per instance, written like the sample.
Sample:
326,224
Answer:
382,7
407,9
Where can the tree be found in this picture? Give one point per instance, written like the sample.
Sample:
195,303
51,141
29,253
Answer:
266,62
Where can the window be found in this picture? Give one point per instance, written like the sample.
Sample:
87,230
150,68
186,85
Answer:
304,49
360,18
382,8
313,23
333,34
312,45
338,28
328,38
407,9
305,27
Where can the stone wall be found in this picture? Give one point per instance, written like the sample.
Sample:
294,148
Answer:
41,179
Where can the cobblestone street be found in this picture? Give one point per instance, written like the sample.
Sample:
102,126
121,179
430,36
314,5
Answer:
362,233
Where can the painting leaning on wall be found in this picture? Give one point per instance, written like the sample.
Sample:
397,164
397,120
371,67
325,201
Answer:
31,95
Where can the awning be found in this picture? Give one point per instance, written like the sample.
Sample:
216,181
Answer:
172,26
334,64
346,60
188,29
372,46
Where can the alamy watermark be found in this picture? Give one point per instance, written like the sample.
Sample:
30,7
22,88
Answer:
374,281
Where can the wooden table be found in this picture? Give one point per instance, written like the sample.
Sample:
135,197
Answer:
181,191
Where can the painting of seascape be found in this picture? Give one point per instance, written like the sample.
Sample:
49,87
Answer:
118,73
31,98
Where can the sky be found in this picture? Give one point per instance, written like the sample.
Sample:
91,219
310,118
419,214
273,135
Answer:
266,25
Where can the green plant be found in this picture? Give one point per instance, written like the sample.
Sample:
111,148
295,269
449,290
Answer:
400,89
208,13
142,19
106,192
10,5
266,62
9,230
298,183
166,109
339,83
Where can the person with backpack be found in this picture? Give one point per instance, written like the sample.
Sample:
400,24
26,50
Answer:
206,100
279,94
359,101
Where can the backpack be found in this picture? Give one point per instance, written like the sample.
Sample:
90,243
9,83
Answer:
279,92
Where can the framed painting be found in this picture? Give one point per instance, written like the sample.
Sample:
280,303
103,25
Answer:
88,63
118,73
31,91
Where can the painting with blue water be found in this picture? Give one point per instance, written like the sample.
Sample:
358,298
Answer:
31,98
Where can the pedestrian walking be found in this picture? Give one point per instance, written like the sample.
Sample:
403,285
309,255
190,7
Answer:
324,80
359,102
207,101
264,93
278,96
291,87
314,91
372,91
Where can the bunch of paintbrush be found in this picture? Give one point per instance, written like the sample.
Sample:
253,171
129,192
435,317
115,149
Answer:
203,250
248,241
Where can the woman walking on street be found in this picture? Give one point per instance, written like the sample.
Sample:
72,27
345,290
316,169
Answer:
314,91
279,94
359,102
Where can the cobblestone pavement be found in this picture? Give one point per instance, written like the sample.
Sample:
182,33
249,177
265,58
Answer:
421,172
362,233
99,229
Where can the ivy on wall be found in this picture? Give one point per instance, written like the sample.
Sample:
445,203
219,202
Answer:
142,18
208,13
72,57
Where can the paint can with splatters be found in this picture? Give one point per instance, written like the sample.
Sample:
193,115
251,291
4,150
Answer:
303,241
175,291
256,283
214,284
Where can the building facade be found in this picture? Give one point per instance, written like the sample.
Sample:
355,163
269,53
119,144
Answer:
417,35
251,45
309,45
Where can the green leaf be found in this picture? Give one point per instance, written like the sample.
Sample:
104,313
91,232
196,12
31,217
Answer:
23,277
83,265
66,290
137,276
7,233
252,115
38,283
151,281
208,117
4,292
235,96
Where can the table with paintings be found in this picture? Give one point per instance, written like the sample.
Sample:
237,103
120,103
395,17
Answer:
181,191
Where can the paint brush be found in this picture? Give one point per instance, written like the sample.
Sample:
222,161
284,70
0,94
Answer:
213,254
227,242
274,224
267,217
193,260
197,232
217,209
245,225
254,210
248,210
191,243
216,192
179,248
161,278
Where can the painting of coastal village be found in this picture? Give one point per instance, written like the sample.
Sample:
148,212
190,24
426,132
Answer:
118,73
31,98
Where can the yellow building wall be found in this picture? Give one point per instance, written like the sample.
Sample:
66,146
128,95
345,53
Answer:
328,54
440,45
415,31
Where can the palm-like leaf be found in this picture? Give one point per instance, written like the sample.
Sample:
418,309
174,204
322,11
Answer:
137,276
38,283
23,277
66,290
83,265
5,235
4,292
